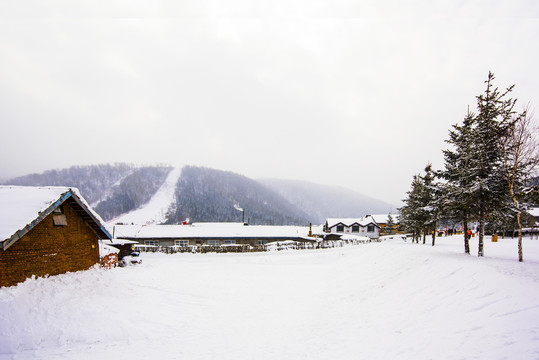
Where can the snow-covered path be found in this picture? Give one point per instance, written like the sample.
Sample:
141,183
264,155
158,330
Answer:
155,211
391,300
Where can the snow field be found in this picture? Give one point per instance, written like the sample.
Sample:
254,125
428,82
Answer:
390,300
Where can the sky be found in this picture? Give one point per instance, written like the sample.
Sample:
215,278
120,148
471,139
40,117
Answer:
358,94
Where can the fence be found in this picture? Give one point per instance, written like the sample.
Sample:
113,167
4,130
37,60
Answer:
242,248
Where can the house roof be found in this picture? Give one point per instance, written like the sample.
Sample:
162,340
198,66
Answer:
534,211
382,218
23,207
331,222
212,231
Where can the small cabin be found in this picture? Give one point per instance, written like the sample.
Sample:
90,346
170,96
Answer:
46,231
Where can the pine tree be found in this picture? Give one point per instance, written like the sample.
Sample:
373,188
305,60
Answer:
431,201
420,211
456,201
390,225
475,185
410,212
492,122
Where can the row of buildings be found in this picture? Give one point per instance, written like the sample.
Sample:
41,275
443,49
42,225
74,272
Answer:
52,230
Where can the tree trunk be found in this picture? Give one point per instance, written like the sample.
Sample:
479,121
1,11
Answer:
434,234
466,238
519,237
424,235
481,233
519,223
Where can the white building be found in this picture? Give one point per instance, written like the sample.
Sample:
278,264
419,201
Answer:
356,226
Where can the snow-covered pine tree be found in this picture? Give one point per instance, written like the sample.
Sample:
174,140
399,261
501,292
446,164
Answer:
431,201
410,212
390,224
489,187
417,214
456,200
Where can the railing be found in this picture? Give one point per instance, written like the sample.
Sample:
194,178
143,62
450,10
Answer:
242,248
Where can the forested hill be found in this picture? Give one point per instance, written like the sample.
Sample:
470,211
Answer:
111,189
93,181
203,194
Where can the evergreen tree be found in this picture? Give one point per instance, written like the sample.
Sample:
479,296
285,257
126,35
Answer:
411,211
420,211
431,201
489,188
390,224
456,200
476,187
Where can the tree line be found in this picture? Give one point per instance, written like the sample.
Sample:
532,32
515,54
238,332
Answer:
489,176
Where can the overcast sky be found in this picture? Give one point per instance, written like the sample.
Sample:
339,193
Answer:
359,94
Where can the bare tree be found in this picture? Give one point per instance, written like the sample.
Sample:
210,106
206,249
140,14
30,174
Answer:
520,160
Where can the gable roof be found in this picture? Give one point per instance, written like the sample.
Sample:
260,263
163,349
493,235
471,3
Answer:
23,207
331,222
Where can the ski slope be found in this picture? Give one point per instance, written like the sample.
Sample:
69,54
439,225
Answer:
155,211
390,300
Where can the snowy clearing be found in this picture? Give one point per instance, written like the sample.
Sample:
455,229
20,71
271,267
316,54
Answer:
389,300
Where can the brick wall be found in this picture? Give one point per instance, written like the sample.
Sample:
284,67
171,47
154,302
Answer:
48,249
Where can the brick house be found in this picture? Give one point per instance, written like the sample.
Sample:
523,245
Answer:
46,231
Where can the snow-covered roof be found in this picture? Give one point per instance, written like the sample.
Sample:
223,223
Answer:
331,222
382,218
534,212
23,207
214,231
121,242
105,249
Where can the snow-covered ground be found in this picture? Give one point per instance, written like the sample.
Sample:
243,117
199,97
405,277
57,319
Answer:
389,300
155,211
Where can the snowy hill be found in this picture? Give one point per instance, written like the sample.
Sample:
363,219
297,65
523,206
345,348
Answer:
391,300
156,209
161,194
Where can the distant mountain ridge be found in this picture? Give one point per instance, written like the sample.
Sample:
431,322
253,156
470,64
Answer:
322,201
204,195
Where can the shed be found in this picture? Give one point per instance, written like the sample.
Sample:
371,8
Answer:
46,231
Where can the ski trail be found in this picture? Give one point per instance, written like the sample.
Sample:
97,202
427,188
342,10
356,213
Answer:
155,211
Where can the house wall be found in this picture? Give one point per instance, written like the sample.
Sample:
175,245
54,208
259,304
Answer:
50,250
362,231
